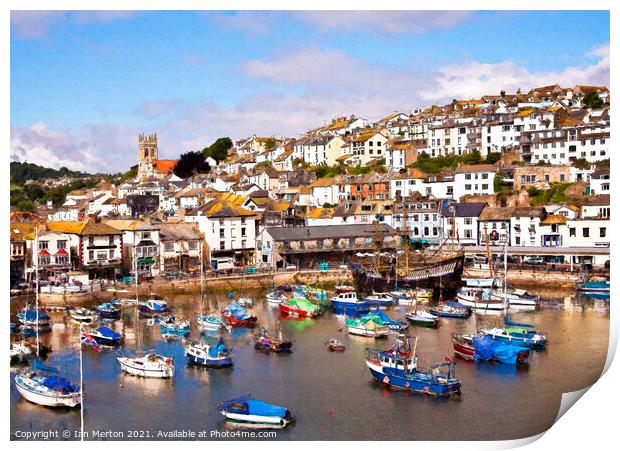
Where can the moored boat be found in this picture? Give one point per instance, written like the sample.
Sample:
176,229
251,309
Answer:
106,337
397,367
422,318
515,296
82,315
150,365
480,347
210,321
108,310
264,342
170,326
237,316
379,299
349,303
594,288
301,307
521,336
214,356
33,317
275,297
153,308
369,325
478,299
389,322
334,345
402,297
451,310
47,390
246,409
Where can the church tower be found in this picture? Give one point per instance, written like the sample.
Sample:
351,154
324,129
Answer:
147,154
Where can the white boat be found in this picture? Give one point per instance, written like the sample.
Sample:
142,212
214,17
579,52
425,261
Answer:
478,299
367,326
379,299
364,332
275,297
150,365
480,282
217,356
245,302
515,296
82,315
210,321
255,412
422,294
49,391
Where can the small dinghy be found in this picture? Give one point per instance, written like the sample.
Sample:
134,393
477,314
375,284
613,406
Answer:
334,345
369,325
422,318
104,336
275,297
150,365
47,389
210,321
245,409
266,343
153,308
213,356
451,310
237,316
108,310
171,327
82,315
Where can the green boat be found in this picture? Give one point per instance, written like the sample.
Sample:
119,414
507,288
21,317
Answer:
370,325
301,307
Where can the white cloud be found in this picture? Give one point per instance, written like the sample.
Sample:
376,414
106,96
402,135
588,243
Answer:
473,79
405,22
36,24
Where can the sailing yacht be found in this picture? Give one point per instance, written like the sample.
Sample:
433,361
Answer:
148,365
207,321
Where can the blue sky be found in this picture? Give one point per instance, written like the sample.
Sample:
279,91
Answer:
83,84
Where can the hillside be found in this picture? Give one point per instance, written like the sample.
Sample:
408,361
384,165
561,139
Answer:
22,172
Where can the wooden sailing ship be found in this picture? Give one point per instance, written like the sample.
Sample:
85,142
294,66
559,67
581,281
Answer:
408,267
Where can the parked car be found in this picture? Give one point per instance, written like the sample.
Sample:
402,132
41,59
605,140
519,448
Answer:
534,260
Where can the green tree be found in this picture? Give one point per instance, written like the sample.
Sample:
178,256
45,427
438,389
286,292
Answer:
25,205
581,163
493,157
271,144
191,163
219,149
592,100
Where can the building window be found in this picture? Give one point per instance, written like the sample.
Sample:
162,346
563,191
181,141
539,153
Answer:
222,245
91,240
43,245
221,233
91,255
586,232
193,245
111,240
146,235
467,221
242,231
61,244
603,232
168,247
111,254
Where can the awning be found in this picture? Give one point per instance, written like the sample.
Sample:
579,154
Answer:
43,252
146,260
61,252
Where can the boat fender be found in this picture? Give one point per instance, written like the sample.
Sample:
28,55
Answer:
168,362
386,380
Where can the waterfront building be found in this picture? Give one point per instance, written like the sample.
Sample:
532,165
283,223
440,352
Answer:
142,240
460,223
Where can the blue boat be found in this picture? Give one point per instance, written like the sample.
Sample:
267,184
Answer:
213,356
389,322
348,303
31,317
487,349
169,326
106,337
380,299
397,367
247,410
519,334
153,307
594,288
108,310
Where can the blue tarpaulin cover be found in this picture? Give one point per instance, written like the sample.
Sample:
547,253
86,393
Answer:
215,350
108,333
456,304
257,407
38,365
31,315
238,311
60,384
386,319
489,349
507,322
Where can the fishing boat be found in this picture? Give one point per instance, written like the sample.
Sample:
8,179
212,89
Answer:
334,345
480,347
215,355
237,316
153,308
402,297
210,321
46,389
106,336
170,326
150,365
343,288
480,282
31,317
397,367
264,342
349,303
594,288
301,307
422,318
379,299
451,309
246,409
275,297
108,310
82,315
369,325
389,322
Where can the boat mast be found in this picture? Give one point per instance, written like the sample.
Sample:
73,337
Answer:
406,236
136,322
201,281
36,288
505,272
491,266
81,388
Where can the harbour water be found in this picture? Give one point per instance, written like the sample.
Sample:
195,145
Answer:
332,395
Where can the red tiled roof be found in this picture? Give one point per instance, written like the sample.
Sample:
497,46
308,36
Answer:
165,165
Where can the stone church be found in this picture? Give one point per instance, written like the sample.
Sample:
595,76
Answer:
148,163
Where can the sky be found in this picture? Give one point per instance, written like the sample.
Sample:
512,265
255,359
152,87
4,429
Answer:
85,83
